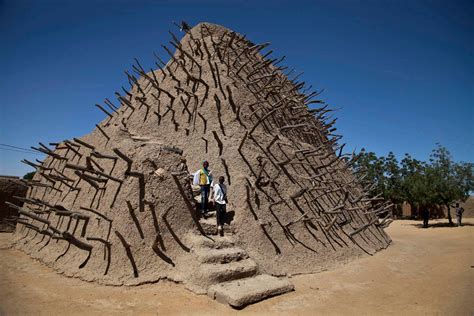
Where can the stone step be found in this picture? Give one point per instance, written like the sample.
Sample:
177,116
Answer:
224,255
208,274
239,293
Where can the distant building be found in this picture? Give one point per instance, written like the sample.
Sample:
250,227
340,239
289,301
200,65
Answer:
408,211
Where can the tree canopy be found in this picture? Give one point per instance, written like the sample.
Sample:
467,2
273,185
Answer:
438,181
29,175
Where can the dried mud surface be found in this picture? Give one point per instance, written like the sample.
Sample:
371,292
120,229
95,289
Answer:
113,206
424,272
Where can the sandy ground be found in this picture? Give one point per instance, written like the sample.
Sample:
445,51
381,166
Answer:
425,271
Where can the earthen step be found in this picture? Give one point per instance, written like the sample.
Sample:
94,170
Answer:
140,138
218,242
224,255
209,274
209,225
210,214
240,293
196,192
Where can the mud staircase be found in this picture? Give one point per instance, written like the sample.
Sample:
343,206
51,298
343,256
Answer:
227,274
224,271
209,222
209,225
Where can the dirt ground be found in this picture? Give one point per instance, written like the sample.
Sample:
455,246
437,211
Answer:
424,271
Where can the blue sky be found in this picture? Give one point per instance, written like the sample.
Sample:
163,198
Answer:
402,71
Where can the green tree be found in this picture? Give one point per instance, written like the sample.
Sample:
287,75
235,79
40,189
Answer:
440,181
449,181
372,166
413,183
393,181
29,175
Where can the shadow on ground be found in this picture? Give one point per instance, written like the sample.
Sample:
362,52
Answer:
442,224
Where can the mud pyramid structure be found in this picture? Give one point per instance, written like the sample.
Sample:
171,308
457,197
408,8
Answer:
116,206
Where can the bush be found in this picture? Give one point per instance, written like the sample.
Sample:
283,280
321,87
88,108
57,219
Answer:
29,175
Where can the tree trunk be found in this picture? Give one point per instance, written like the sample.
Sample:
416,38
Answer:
449,214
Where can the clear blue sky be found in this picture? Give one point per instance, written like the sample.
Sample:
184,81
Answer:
402,71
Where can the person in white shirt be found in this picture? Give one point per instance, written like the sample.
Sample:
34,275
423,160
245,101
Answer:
219,193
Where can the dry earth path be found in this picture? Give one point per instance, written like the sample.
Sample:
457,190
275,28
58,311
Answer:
424,272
